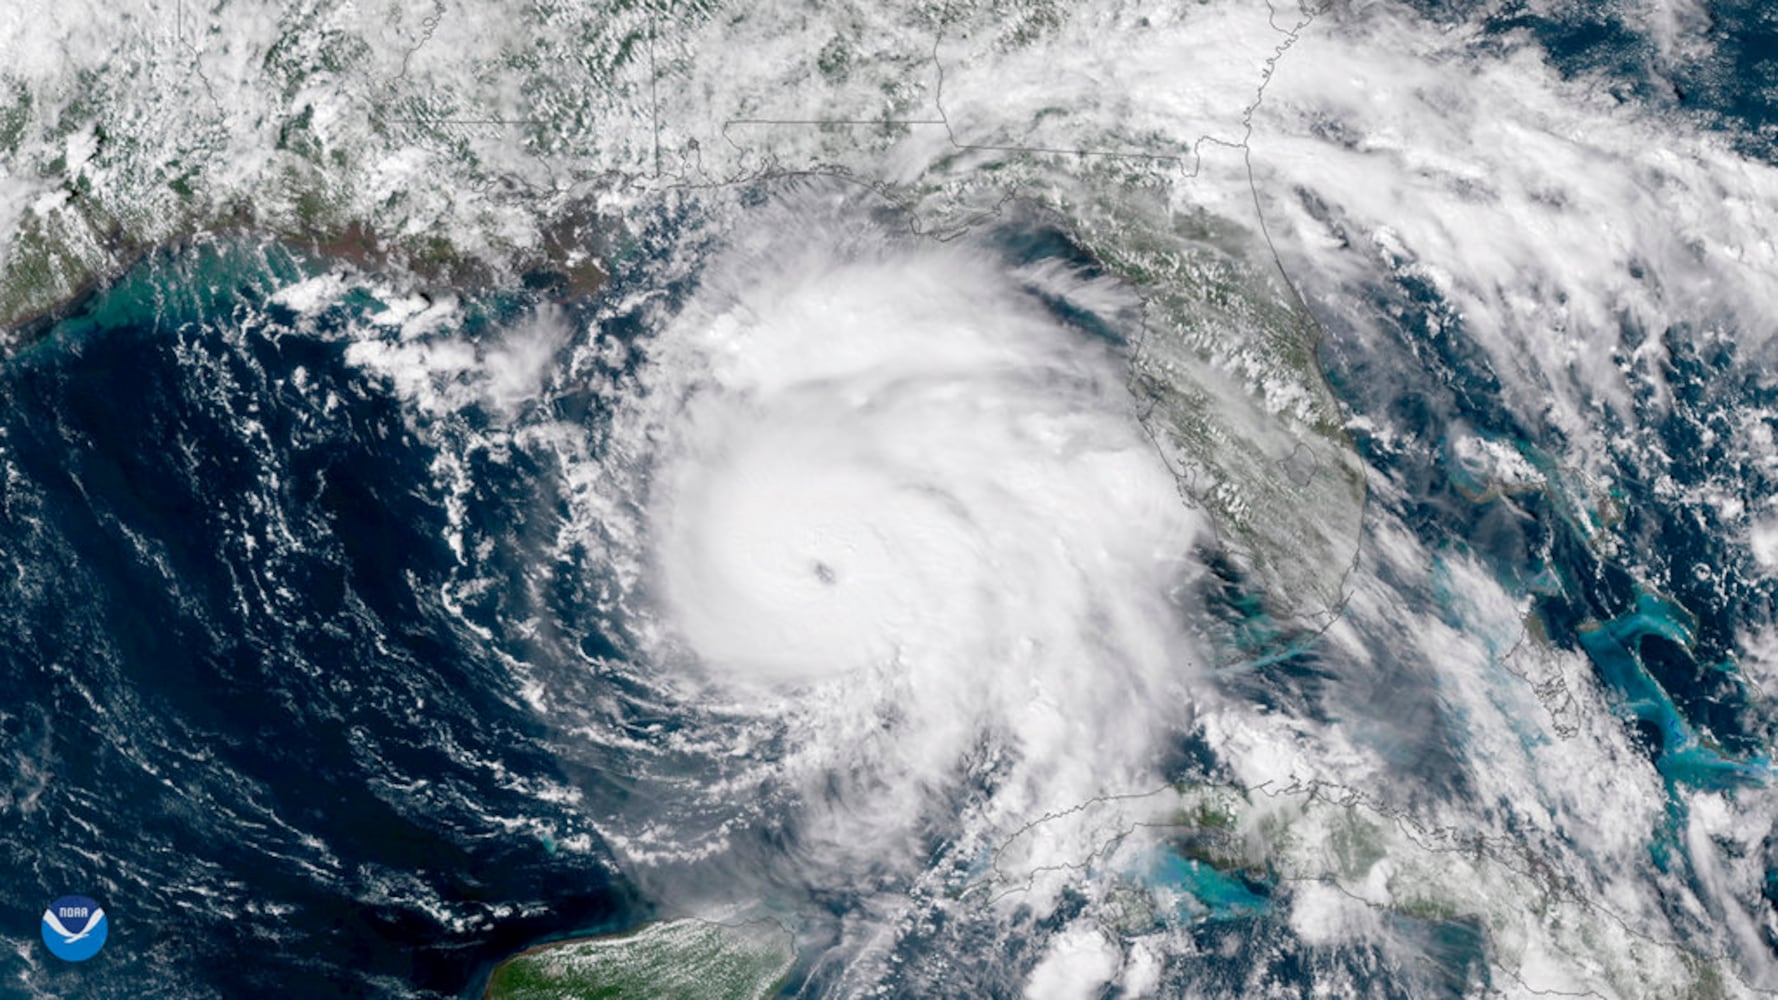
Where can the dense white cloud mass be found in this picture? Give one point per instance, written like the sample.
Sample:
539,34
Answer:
859,474
1079,965
904,554
888,497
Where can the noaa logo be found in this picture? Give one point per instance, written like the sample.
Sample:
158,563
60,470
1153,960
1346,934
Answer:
74,927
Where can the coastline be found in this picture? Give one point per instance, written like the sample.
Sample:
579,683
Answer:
563,268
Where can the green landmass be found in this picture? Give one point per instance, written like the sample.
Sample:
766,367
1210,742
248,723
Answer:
675,960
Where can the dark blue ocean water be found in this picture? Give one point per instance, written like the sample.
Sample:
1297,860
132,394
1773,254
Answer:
1721,68
238,715
1623,580
242,716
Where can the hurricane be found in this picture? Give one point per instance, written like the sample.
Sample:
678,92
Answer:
1017,500
893,506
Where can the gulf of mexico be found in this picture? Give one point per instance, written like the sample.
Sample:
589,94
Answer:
241,716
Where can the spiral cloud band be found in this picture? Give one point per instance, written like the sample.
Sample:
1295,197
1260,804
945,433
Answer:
897,501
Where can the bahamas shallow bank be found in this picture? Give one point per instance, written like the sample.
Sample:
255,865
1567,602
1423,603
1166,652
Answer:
1088,500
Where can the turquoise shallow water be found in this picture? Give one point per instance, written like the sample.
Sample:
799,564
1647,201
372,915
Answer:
1683,756
1214,894
254,729
251,728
